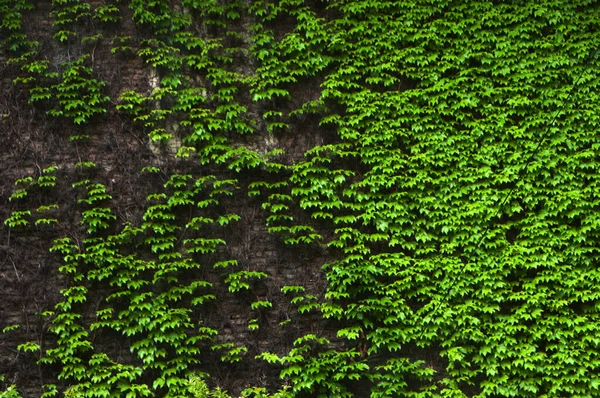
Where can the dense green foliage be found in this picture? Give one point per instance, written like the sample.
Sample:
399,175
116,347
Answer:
460,194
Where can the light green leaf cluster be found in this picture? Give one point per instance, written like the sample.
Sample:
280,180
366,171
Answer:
78,94
42,183
10,392
73,93
438,107
456,194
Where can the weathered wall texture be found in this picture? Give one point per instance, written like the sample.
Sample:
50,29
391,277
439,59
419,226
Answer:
31,141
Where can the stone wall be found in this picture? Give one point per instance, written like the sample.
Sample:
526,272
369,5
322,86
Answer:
30,282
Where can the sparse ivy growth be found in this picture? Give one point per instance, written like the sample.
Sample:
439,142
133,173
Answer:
79,96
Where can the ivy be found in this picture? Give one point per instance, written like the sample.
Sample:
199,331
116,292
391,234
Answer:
78,94
10,392
66,14
108,13
456,218
237,281
11,13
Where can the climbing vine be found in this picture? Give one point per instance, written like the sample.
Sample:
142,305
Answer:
443,165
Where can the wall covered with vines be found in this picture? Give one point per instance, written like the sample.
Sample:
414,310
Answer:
205,198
